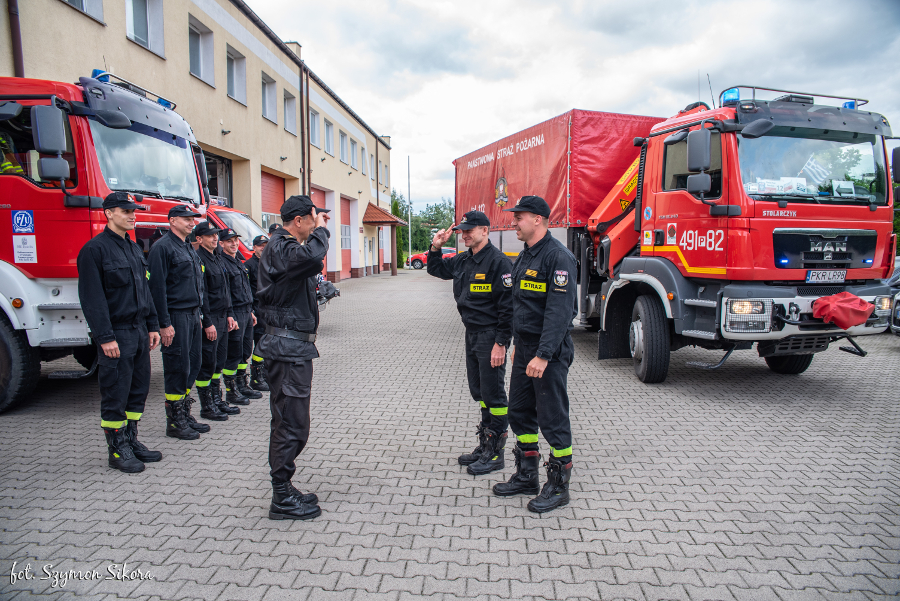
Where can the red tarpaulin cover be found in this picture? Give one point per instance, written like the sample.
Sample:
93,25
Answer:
535,161
843,309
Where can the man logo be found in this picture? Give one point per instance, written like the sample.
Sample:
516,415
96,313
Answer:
561,278
507,280
501,192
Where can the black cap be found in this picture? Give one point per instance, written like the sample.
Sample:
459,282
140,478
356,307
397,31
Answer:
206,229
260,240
532,204
473,219
123,200
228,234
272,228
183,211
298,206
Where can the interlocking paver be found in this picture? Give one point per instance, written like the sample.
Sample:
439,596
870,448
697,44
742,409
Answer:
725,485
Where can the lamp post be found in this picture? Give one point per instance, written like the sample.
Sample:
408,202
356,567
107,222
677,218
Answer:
409,199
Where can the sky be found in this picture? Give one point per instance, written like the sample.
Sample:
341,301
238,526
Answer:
444,78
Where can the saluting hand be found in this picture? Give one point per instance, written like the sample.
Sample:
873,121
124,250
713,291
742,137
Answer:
111,349
536,367
321,218
154,340
498,355
441,237
232,324
211,333
167,335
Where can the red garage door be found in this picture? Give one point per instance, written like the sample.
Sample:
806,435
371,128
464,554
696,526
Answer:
272,193
318,198
345,238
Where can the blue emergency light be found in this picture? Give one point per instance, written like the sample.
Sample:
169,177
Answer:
784,261
164,103
867,260
103,78
732,95
850,104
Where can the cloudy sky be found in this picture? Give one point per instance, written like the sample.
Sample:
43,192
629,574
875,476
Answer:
444,78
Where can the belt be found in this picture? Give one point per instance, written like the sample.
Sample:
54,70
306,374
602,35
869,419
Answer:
185,311
304,336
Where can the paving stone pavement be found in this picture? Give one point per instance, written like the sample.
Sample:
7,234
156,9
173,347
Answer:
734,484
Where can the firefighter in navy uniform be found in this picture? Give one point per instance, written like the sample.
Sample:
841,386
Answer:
257,365
218,320
287,297
240,340
115,298
482,286
544,305
176,283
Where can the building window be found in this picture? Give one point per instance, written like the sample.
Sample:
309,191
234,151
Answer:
380,173
384,180
290,112
236,71
372,167
362,158
268,219
353,160
381,237
218,171
345,236
144,24
329,138
343,147
314,128
269,109
200,50
92,8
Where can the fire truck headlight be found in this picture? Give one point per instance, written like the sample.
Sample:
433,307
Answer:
745,307
882,305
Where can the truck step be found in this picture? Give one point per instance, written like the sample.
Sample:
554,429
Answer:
700,334
59,306
57,342
700,302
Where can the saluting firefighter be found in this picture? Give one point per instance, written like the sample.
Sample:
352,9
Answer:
544,305
218,320
257,365
176,283
115,298
287,297
240,340
482,286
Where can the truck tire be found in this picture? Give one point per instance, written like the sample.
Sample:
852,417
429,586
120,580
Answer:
85,355
648,340
20,366
789,364
417,264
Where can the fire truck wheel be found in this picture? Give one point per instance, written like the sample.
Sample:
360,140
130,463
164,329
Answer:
417,264
85,355
789,364
648,340
20,366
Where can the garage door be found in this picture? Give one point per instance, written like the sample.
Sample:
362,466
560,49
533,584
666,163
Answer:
346,233
272,193
318,198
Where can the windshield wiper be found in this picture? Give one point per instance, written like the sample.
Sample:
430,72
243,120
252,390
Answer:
143,192
782,196
180,198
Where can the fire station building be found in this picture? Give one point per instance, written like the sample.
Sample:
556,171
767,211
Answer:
269,127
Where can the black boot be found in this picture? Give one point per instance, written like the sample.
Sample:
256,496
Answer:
470,458
286,505
193,423
258,379
208,408
121,457
177,425
525,480
137,447
556,491
241,378
309,498
233,396
217,399
491,458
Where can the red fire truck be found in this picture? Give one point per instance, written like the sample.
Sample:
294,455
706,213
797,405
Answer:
718,228
64,148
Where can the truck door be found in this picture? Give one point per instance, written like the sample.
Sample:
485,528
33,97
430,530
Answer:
39,234
691,238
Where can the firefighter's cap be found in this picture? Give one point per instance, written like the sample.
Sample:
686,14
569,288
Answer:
182,211
228,234
532,204
260,241
473,219
206,229
123,200
298,206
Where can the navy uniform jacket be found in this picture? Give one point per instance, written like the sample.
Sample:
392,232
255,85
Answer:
217,294
112,285
482,286
544,296
252,265
176,278
238,282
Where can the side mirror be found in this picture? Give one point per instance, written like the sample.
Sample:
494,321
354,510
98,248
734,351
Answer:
699,183
895,165
53,169
201,166
48,130
10,110
113,119
675,138
757,128
698,150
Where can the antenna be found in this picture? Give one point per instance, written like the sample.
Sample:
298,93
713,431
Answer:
698,85
710,90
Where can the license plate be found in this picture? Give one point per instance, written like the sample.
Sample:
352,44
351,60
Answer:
831,276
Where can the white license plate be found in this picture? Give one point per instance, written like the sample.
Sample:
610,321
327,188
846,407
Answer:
831,276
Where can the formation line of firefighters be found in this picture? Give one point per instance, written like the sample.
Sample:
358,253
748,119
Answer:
208,309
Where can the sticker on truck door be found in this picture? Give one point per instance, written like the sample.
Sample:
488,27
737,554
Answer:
24,249
23,222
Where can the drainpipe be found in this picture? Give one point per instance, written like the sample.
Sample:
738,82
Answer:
15,35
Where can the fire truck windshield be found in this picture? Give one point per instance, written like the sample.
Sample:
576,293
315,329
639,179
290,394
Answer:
814,166
245,227
146,160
